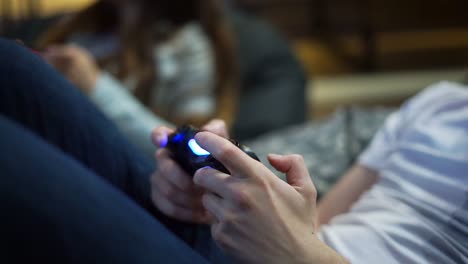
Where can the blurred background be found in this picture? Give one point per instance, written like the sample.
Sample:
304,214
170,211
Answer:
365,52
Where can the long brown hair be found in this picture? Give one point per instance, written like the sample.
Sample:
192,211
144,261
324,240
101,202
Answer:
138,40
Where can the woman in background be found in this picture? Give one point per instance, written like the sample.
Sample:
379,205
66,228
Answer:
146,63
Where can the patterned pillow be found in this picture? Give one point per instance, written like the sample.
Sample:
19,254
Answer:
329,147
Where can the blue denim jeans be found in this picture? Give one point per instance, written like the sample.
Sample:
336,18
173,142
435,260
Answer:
72,189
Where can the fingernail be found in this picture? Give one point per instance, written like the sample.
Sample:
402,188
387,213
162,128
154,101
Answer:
160,140
198,137
218,123
196,177
275,156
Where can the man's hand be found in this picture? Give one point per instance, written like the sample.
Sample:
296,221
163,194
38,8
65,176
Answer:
258,217
76,64
172,189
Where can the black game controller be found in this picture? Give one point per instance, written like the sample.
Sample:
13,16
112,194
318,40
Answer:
190,156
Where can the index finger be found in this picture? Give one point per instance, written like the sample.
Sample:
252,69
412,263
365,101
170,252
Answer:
216,126
232,157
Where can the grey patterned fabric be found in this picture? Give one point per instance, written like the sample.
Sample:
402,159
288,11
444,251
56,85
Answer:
329,147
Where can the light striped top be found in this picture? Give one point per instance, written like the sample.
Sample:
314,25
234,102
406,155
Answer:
185,84
417,212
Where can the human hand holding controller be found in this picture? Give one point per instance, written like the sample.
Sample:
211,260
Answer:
248,208
172,187
191,157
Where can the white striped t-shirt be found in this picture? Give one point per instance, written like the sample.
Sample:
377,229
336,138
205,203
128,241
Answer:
417,212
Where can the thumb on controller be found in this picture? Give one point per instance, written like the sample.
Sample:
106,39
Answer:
160,135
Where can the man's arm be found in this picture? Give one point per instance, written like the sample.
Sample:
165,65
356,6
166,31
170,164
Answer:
345,193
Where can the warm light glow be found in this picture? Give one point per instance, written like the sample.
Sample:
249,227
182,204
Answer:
18,8
55,6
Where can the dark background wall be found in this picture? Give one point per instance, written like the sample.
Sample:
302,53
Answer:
374,35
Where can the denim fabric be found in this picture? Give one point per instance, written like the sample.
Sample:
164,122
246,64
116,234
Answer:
75,190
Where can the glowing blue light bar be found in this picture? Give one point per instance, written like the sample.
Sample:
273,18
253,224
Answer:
196,149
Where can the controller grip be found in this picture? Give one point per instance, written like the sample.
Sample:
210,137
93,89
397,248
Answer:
181,152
